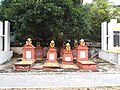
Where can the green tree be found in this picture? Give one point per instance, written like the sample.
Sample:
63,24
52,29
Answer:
100,11
47,19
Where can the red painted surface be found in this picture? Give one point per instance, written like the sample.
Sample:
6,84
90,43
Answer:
61,51
74,51
23,66
39,52
67,57
29,48
80,50
52,55
88,66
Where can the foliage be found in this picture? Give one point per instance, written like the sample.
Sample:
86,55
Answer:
100,11
47,19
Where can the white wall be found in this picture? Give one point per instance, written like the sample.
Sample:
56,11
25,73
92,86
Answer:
5,55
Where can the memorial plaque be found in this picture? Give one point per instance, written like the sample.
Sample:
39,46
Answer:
28,54
52,56
38,53
67,58
82,54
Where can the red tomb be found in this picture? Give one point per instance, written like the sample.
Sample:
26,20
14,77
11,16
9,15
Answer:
82,50
28,57
39,51
82,57
62,50
52,53
51,60
67,57
29,51
75,50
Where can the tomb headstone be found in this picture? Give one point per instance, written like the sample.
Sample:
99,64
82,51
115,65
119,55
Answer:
67,57
51,60
29,57
82,50
75,50
29,50
39,51
82,57
52,53
62,49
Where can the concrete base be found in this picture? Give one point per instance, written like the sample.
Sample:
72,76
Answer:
5,55
87,65
112,57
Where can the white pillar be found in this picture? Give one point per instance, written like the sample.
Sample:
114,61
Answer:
104,36
110,34
1,36
7,36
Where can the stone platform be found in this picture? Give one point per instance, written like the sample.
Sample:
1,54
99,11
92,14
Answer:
111,56
87,65
37,66
69,67
49,64
5,55
24,65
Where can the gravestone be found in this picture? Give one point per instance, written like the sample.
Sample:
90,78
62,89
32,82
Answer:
51,60
75,50
82,57
67,57
29,57
29,50
62,49
39,51
82,50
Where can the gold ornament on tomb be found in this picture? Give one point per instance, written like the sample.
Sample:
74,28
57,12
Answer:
82,43
52,44
64,43
68,48
29,41
38,44
75,44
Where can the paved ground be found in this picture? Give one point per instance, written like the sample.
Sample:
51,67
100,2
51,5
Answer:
102,66
59,79
107,74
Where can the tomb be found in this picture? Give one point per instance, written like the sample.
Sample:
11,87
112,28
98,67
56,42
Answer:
82,57
51,60
75,50
67,57
39,51
82,50
29,50
62,49
28,59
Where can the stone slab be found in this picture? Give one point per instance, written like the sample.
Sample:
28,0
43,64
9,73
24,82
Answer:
87,65
37,66
5,55
51,64
24,65
70,66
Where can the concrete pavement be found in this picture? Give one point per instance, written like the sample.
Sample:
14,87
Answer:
58,79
